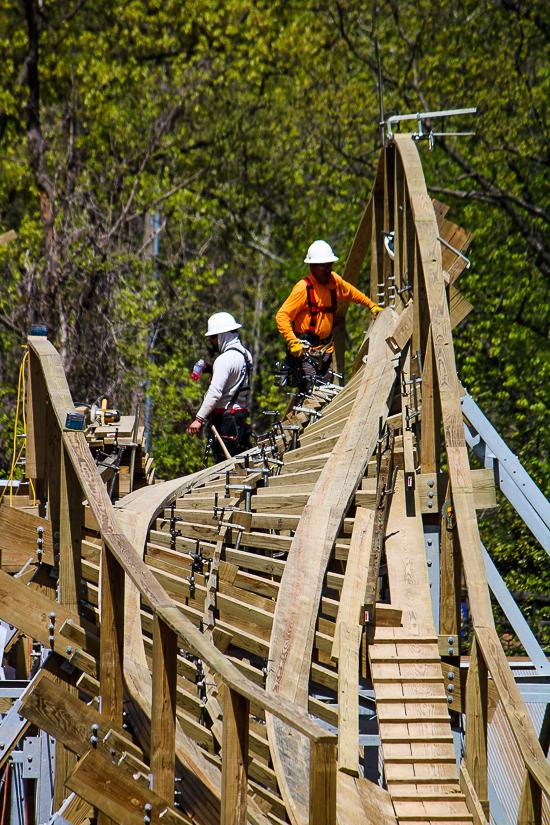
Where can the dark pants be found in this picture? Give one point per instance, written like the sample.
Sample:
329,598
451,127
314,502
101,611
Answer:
234,432
319,369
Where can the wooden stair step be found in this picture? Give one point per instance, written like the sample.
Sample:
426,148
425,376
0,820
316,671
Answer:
407,719
428,797
422,780
376,660
413,699
408,680
406,760
436,739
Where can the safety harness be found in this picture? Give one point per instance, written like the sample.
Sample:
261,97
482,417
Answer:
245,377
315,310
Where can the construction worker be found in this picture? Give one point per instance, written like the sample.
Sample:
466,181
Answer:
309,311
225,403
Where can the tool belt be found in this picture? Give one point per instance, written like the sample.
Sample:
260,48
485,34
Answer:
290,372
315,341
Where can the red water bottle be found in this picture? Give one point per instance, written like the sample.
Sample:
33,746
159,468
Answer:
197,369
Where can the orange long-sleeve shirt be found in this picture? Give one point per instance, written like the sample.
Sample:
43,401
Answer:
293,318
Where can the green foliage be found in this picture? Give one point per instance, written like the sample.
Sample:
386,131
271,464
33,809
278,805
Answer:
248,129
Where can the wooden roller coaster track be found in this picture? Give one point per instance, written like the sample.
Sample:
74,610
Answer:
213,638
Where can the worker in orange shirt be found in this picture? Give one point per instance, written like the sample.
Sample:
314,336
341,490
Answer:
309,311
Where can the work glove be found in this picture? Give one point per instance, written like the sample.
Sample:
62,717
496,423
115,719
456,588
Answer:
296,348
375,310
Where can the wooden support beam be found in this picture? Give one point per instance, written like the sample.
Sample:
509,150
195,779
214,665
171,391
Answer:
476,725
451,583
65,717
163,722
322,784
383,498
117,795
348,698
401,335
530,805
236,716
18,536
70,534
111,661
36,443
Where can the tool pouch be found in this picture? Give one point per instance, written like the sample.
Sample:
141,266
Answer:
289,372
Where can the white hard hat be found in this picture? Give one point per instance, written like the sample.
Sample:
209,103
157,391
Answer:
221,322
320,252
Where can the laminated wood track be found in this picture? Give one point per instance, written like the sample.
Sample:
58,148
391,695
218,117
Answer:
234,623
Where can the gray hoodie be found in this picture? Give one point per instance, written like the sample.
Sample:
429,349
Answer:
229,373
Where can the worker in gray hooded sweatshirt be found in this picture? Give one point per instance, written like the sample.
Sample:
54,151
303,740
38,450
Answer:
225,403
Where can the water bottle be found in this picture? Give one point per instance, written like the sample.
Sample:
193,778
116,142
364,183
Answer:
197,369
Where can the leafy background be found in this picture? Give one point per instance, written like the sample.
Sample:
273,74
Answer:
233,134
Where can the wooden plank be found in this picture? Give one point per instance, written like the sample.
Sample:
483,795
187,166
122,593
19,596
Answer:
403,331
348,698
111,661
476,752
69,720
459,472
163,717
18,534
472,801
353,590
322,784
451,583
236,711
436,484
118,795
383,499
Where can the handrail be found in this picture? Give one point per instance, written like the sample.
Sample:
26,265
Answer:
489,649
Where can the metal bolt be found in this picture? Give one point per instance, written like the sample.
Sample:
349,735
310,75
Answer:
93,740
430,484
451,651
450,699
148,808
95,728
29,758
430,504
147,820
51,639
430,495
52,616
450,688
57,535
112,751
2,746
56,546
51,628
430,542
69,650
430,562
451,640
450,675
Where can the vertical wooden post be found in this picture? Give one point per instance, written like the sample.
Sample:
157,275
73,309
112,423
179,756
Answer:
70,534
36,444
530,806
348,698
476,725
236,715
112,637
322,783
163,723
451,579
64,505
